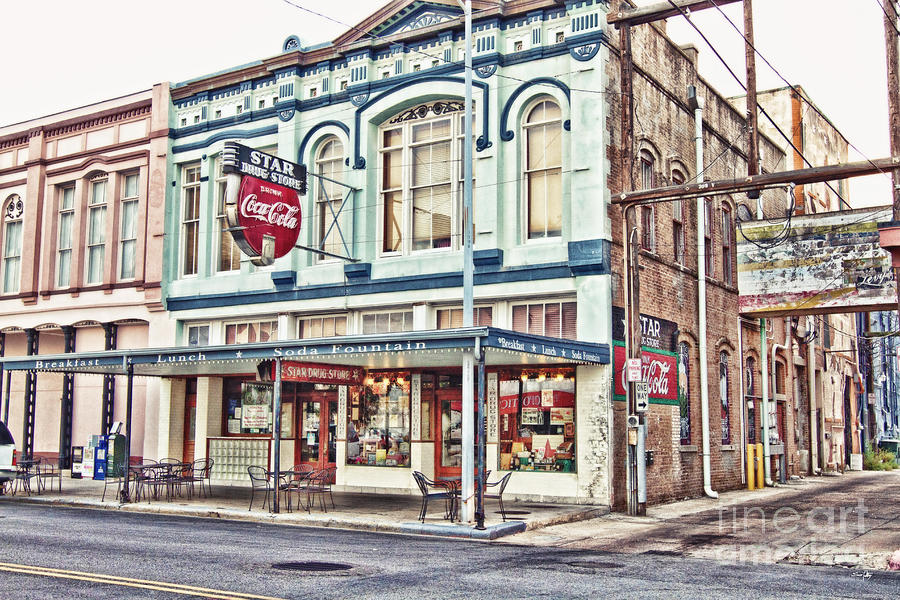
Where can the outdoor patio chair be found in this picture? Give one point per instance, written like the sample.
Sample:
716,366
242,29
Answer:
436,490
494,491
297,482
201,471
259,480
319,484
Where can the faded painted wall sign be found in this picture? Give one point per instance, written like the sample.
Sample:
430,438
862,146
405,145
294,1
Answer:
828,263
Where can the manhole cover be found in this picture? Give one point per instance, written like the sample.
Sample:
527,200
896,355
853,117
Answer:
515,512
312,566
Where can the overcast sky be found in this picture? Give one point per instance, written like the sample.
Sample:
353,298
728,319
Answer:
61,54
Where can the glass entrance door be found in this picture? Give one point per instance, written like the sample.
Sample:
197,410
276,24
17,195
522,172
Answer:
317,428
448,426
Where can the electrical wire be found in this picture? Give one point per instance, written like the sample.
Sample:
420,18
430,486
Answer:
758,105
797,91
890,19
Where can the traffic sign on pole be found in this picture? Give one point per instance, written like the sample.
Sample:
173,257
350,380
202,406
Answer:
641,396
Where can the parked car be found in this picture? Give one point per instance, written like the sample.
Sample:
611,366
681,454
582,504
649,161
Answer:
7,455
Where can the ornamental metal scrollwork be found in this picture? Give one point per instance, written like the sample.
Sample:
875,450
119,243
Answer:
286,115
486,72
421,111
425,20
15,209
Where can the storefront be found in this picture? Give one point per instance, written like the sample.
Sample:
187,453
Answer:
379,407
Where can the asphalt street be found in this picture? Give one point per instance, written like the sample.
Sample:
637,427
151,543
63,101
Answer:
107,554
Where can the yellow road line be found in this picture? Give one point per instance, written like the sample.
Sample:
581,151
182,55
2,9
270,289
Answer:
163,586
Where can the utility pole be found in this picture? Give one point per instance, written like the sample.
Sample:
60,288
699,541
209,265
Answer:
893,88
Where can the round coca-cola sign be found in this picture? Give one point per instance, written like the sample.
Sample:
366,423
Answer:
266,210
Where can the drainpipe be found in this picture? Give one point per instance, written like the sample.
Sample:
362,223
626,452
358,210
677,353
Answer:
764,354
696,103
813,424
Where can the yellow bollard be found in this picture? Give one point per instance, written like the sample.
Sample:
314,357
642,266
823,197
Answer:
760,468
751,467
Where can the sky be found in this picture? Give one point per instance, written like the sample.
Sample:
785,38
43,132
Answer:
70,54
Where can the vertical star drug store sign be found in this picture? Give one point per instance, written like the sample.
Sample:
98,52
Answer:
262,202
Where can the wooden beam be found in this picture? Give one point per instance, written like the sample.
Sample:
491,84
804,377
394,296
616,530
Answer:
758,182
662,10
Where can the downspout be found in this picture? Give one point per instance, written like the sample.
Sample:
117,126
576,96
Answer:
764,354
697,103
813,424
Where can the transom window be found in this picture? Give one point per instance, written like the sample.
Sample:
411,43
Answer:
325,326
543,170
451,318
329,195
553,319
190,217
648,213
12,243
678,221
64,239
250,332
129,226
96,232
387,322
421,180
727,245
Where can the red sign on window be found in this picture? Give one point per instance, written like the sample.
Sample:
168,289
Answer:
320,373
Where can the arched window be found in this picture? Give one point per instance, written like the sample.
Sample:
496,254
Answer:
684,391
543,170
12,243
329,195
421,178
724,391
678,220
648,214
750,392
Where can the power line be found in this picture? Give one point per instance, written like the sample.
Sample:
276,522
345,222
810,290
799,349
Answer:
794,88
744,87
891,19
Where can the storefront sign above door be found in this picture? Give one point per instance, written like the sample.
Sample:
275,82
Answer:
320,373
262,204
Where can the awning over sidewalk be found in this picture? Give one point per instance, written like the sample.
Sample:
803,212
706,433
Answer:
436,348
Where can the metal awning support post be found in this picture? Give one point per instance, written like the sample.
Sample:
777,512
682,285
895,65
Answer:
276,433
129,393
479,484
6,404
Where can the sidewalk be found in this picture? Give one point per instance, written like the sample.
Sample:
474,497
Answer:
384,513
850,520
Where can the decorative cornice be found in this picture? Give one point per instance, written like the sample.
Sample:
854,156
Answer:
104,118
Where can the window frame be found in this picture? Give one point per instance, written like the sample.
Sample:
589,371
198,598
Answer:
273,334
678,219
683,357
96,246
725,395
547,170
543,303
125,237
64,253
323,217
390,313
727,222
224,238
322,318
481,314
13,215
404,122
192,185
709,233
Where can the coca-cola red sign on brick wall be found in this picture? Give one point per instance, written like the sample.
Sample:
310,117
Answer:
262,204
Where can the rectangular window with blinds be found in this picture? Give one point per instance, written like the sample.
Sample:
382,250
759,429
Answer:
452,318
128,224
96,250
320,327
553,319
387,322
250,332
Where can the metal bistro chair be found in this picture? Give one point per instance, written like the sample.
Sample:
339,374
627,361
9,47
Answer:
319,484
299,480
201,472
259,480
436,490
497,494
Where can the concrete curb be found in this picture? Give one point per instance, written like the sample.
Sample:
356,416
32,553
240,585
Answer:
455,531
